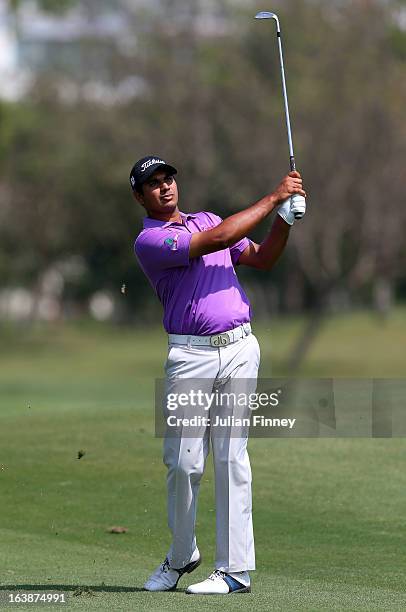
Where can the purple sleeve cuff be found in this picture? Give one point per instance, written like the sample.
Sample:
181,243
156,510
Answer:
237,249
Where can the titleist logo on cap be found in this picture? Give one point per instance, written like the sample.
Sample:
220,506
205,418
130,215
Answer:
151,162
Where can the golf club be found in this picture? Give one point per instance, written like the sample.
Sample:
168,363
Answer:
297,201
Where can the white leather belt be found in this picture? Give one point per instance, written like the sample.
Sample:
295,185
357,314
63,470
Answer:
223,339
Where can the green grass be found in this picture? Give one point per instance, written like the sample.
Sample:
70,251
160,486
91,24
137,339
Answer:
329,514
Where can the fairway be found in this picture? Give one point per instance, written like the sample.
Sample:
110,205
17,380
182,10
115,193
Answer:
329,514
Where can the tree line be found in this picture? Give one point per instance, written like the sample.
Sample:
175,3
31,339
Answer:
210,101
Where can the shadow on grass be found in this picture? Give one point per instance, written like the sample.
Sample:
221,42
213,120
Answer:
77,589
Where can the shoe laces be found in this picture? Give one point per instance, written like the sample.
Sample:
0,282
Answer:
216,574
166,566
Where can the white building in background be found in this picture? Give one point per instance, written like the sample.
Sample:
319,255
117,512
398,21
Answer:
14,79
33,41
8,40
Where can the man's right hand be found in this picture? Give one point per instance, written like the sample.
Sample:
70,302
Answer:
291,184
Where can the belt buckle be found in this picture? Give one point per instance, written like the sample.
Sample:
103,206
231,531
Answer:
220,340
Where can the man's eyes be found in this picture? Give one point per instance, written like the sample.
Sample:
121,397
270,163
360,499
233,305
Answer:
154,184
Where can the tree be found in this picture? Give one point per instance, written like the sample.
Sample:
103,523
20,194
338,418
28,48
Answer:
208,97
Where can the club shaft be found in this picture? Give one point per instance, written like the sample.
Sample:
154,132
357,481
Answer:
285,99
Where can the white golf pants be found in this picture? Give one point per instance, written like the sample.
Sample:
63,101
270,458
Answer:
229,369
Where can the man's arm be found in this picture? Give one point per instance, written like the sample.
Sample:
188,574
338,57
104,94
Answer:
232,229
264,256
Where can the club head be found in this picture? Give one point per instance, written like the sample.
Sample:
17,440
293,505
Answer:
266,15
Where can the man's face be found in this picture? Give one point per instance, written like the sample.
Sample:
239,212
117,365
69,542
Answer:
160,193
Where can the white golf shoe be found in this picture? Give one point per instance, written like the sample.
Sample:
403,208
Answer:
166,578
220,583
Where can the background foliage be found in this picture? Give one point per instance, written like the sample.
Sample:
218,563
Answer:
208,99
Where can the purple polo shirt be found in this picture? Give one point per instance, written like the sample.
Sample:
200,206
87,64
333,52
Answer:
201,296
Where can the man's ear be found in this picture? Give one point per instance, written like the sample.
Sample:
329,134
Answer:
139,197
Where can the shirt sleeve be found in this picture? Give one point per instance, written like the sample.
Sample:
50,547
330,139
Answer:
163,248
237,249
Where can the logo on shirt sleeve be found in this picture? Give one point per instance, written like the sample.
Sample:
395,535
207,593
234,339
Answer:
172,243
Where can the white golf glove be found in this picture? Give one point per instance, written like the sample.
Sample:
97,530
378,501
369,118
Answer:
285,212
292,208
298,206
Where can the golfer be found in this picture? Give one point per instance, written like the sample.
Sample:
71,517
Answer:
189,259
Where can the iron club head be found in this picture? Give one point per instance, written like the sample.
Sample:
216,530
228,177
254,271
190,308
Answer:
267,15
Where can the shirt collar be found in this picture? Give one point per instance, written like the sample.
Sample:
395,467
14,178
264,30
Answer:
149,222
